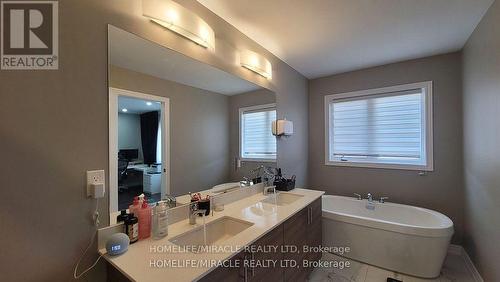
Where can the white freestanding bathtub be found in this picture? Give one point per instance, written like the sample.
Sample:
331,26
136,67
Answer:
400,238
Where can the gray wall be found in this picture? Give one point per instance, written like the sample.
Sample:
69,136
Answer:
199,129
63,127
481,76
253,98
440,190
129,132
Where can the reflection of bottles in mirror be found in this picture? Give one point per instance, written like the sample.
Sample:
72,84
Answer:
160,220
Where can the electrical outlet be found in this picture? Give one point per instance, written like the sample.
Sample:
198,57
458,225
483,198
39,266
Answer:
94,177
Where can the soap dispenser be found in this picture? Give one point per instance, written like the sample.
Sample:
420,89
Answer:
160,220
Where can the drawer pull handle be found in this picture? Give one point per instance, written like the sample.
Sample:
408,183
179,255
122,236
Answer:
253,267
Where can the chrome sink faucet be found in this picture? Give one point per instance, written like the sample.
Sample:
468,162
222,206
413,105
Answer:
170,200
266,190
194,212
369,197
245,182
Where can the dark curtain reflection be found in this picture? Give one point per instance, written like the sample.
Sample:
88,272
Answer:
149,135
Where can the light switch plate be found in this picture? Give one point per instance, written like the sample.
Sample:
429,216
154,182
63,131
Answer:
94,177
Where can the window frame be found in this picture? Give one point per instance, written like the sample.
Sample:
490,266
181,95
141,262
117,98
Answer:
427,125
241,132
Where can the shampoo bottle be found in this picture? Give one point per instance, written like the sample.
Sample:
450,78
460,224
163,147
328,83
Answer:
135,206
144,221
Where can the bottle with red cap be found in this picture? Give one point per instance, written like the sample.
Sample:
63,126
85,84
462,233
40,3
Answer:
144,221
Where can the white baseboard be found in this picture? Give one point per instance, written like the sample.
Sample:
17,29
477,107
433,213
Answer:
460,251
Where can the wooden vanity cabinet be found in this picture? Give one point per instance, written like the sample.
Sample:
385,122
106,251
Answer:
314,229
295,236
268,272
304,229
248,272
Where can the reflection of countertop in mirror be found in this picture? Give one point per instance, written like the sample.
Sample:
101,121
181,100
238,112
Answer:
138,263
144,168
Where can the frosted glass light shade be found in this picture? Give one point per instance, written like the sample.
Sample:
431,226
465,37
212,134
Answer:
179,20
257,63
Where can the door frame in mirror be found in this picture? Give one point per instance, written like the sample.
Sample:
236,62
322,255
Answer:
113,94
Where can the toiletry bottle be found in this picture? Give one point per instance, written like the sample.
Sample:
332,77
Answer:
160,220
135,206
122,216
132,228
144,221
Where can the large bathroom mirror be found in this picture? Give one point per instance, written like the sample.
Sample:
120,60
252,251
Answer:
178,125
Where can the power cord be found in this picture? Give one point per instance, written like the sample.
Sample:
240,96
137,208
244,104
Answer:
95,218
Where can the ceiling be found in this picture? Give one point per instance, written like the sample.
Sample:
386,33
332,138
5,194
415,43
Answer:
324,37
129,51
137,106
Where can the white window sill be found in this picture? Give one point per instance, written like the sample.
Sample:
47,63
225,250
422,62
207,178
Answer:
258,160
381,165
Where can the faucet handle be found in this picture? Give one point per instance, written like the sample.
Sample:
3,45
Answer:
382,199
358,195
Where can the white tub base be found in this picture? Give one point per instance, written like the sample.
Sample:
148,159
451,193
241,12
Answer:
417,256
409,249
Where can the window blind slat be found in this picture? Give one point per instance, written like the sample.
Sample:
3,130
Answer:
388,126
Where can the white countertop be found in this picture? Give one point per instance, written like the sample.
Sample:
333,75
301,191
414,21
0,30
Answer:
136,262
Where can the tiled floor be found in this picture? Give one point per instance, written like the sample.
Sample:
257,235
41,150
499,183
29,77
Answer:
454,270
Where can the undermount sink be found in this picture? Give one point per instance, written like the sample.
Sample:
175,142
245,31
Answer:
217,232
261,209
282,199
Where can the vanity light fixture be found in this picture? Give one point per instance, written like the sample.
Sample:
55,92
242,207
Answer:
257,63
124,110
178,19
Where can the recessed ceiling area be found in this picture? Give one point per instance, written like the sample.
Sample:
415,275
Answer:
135,53
324,37
128,105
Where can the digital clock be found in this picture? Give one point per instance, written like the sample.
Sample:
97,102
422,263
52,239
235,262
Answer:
117,244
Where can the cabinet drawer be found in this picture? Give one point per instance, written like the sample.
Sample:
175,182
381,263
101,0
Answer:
228,274
266,273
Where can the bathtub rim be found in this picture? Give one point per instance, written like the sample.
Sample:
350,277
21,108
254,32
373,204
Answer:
445,230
